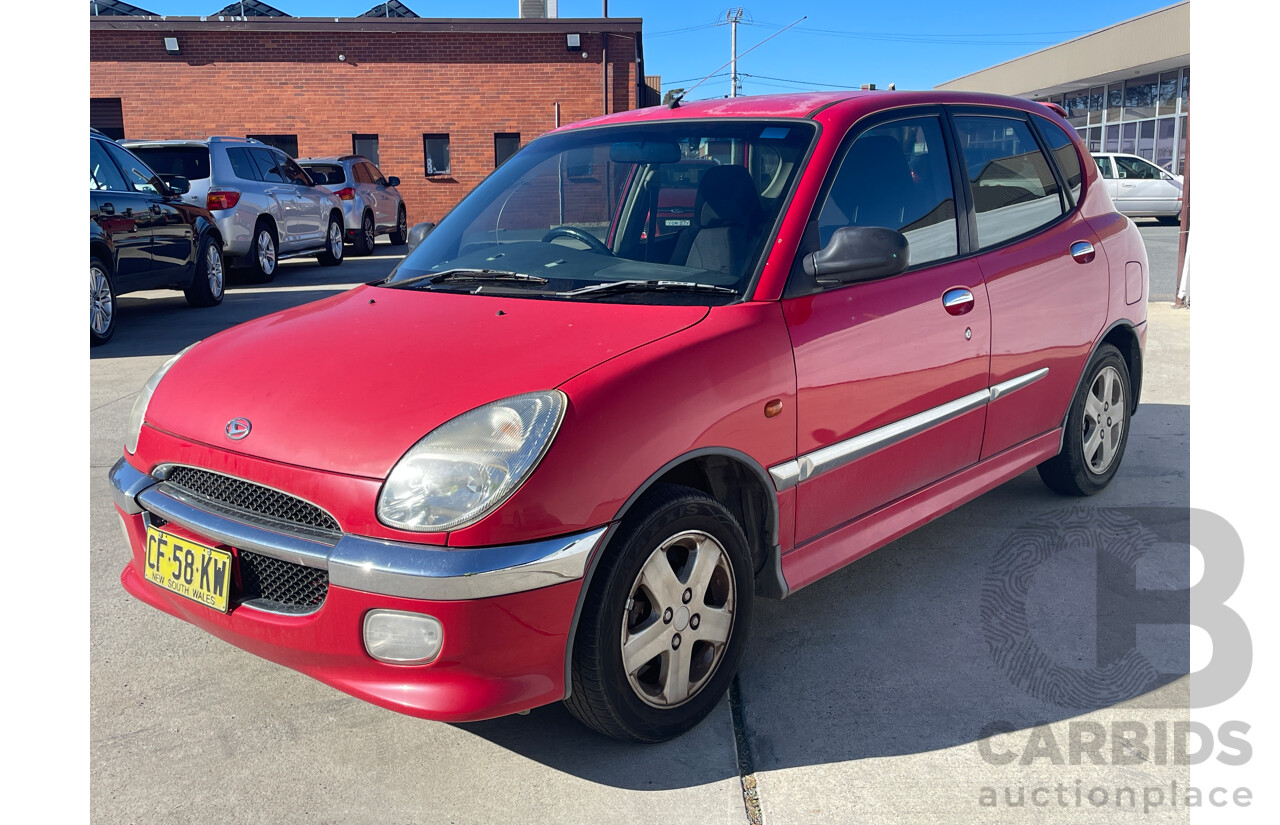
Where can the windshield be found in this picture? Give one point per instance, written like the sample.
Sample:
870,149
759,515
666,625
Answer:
651,213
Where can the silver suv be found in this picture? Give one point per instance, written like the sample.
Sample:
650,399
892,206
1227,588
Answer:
371,204
266,207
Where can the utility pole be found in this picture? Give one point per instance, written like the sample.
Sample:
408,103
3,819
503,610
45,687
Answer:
733,16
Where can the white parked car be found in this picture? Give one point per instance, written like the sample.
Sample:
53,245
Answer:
1139,188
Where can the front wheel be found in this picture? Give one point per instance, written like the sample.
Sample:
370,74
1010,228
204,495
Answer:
332,254
400,235
207,287
1097,429
665,621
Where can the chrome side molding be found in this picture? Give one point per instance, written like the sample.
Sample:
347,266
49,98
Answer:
790,473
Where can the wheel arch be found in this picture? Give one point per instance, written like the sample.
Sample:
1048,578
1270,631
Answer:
736,481
1123,335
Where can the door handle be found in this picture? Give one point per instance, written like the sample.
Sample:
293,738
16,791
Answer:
957,301
107,209
1082,252
155,208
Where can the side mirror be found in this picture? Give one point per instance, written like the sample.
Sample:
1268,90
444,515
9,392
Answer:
859,253
419,232
177,184
393,181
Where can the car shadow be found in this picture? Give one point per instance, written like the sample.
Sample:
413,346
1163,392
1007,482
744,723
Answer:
1019,609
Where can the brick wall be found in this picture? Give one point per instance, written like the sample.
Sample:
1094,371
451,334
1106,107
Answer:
397,85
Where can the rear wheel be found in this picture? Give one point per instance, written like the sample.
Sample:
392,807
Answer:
664,624
400,235
263,257
102,302
365,236
207,287
1097,429
332,254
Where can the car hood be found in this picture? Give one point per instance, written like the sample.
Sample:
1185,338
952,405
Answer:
349,383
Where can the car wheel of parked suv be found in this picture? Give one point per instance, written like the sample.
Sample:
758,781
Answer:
102,302
665,621
1097,429
332,255
365,237
400,235
207,287
263,257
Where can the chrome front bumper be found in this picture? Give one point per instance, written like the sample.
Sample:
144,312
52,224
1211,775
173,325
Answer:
389,568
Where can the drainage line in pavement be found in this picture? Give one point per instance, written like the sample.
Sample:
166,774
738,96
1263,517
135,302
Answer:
746,764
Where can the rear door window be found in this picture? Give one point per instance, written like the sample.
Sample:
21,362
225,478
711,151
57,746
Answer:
103,173
1014,190
190,162
242,164
1137,169
268,166
136,174
360,173
327,174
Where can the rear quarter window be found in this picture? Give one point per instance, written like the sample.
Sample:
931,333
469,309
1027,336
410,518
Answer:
242,165
1064,152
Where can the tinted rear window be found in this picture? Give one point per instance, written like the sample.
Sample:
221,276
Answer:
325,173
191,162
242,165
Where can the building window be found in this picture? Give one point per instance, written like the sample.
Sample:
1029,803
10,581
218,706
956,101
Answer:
285,143
1164,143
365,146
1113,138
1140,98
505,144
1186,91
435,154
107,116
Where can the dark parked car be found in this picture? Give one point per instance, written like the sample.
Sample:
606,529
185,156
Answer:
142,236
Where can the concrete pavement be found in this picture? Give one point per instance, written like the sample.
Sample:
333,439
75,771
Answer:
869,696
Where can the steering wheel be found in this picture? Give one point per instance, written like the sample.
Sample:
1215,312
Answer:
593,243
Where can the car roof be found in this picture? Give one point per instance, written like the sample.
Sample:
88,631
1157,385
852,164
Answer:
191,141
334,159
807,105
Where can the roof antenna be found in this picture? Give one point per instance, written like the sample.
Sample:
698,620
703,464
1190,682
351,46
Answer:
675,101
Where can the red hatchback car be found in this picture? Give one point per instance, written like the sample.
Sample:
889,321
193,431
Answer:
559,451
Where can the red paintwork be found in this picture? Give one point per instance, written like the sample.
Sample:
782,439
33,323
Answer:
500,655
339,389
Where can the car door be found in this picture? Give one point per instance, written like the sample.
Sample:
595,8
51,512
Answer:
892,373
385,205
310,218
122,212
1145,188
280,193
173,239
367,187
1048,295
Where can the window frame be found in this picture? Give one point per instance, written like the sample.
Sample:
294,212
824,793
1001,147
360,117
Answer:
438,173
976,110
505,136
367,138
794,287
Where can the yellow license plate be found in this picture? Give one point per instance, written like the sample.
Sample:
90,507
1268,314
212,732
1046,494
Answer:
188,568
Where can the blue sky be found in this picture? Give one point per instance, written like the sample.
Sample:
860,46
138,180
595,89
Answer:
841,44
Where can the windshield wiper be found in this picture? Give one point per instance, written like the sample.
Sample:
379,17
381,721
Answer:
465,274
644,286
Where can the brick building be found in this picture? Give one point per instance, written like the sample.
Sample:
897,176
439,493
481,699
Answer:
437,102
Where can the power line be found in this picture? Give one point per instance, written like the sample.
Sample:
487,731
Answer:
800,82
938,40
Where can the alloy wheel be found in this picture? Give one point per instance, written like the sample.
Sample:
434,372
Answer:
1103,420
335,239
213,267
266,252
678,619
366,226
101,307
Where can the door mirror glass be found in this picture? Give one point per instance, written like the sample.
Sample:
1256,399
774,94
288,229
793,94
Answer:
859,253
419,232
393,181
177,184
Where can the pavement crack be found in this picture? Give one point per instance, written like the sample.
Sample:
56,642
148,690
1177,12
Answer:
116,401
746,762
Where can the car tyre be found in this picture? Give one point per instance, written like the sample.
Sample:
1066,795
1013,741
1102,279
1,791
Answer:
400,235
264,255
210,280
1097,429
102,302
332,254
675,582
1169,220
365,235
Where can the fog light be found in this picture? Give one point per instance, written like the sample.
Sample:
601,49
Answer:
402,638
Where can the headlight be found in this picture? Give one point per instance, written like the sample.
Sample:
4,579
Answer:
144,398
466,467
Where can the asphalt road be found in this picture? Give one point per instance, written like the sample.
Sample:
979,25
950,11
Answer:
1162,257
883,693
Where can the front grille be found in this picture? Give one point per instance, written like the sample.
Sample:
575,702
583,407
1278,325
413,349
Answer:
251,502
281,586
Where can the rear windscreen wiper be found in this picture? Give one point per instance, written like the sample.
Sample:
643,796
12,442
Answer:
433,278
644,286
